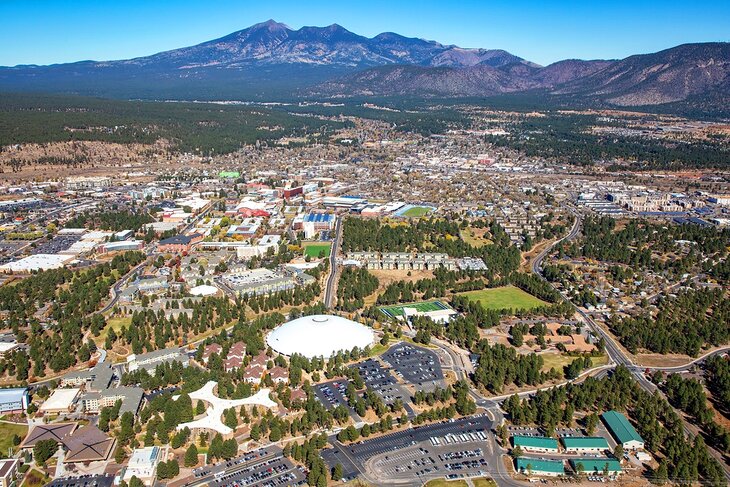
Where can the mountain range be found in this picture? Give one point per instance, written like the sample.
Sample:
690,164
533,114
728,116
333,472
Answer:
271,60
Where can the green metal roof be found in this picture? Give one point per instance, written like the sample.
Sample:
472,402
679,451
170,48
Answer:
229,174
585,442
537,465
534,442
620,427
596,465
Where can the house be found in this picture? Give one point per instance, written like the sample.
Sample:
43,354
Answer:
539,467
536,444
585,444
279,375
622,431
261,359
210,350
234,359
298,395
253,374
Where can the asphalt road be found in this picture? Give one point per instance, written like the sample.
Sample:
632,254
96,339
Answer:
616,354
329,291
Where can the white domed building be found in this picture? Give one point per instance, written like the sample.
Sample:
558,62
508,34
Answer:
319,336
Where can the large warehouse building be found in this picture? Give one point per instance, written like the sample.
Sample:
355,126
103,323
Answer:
622,431
319,336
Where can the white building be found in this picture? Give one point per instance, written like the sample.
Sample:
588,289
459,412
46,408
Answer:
319,336
61,401
143,464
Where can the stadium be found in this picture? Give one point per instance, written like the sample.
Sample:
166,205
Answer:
436,310
319,336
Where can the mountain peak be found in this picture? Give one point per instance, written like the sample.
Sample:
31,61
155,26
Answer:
270,25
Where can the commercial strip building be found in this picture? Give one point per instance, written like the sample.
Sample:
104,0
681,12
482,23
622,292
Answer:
622,431
536,444
584,444
539,467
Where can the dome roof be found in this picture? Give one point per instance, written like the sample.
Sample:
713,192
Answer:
319,335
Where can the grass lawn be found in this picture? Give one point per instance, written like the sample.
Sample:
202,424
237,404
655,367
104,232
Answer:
507,297
114,324
446,483
558,360
470,237
313,249
422,307
417,211
7,431
34,478
483,482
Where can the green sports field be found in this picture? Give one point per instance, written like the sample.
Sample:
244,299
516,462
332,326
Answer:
507,297
396,310
313,249
416,211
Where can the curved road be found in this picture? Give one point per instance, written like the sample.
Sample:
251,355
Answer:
616,354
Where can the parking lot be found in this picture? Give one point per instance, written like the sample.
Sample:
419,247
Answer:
417,366
105,480
333,393
266,467
381,380
354,456
463,456
56,244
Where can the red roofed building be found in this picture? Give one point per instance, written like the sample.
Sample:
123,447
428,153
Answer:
234,359
279,375
253,374
261,359
210,350
298,395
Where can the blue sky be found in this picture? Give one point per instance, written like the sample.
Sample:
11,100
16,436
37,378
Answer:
46,32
